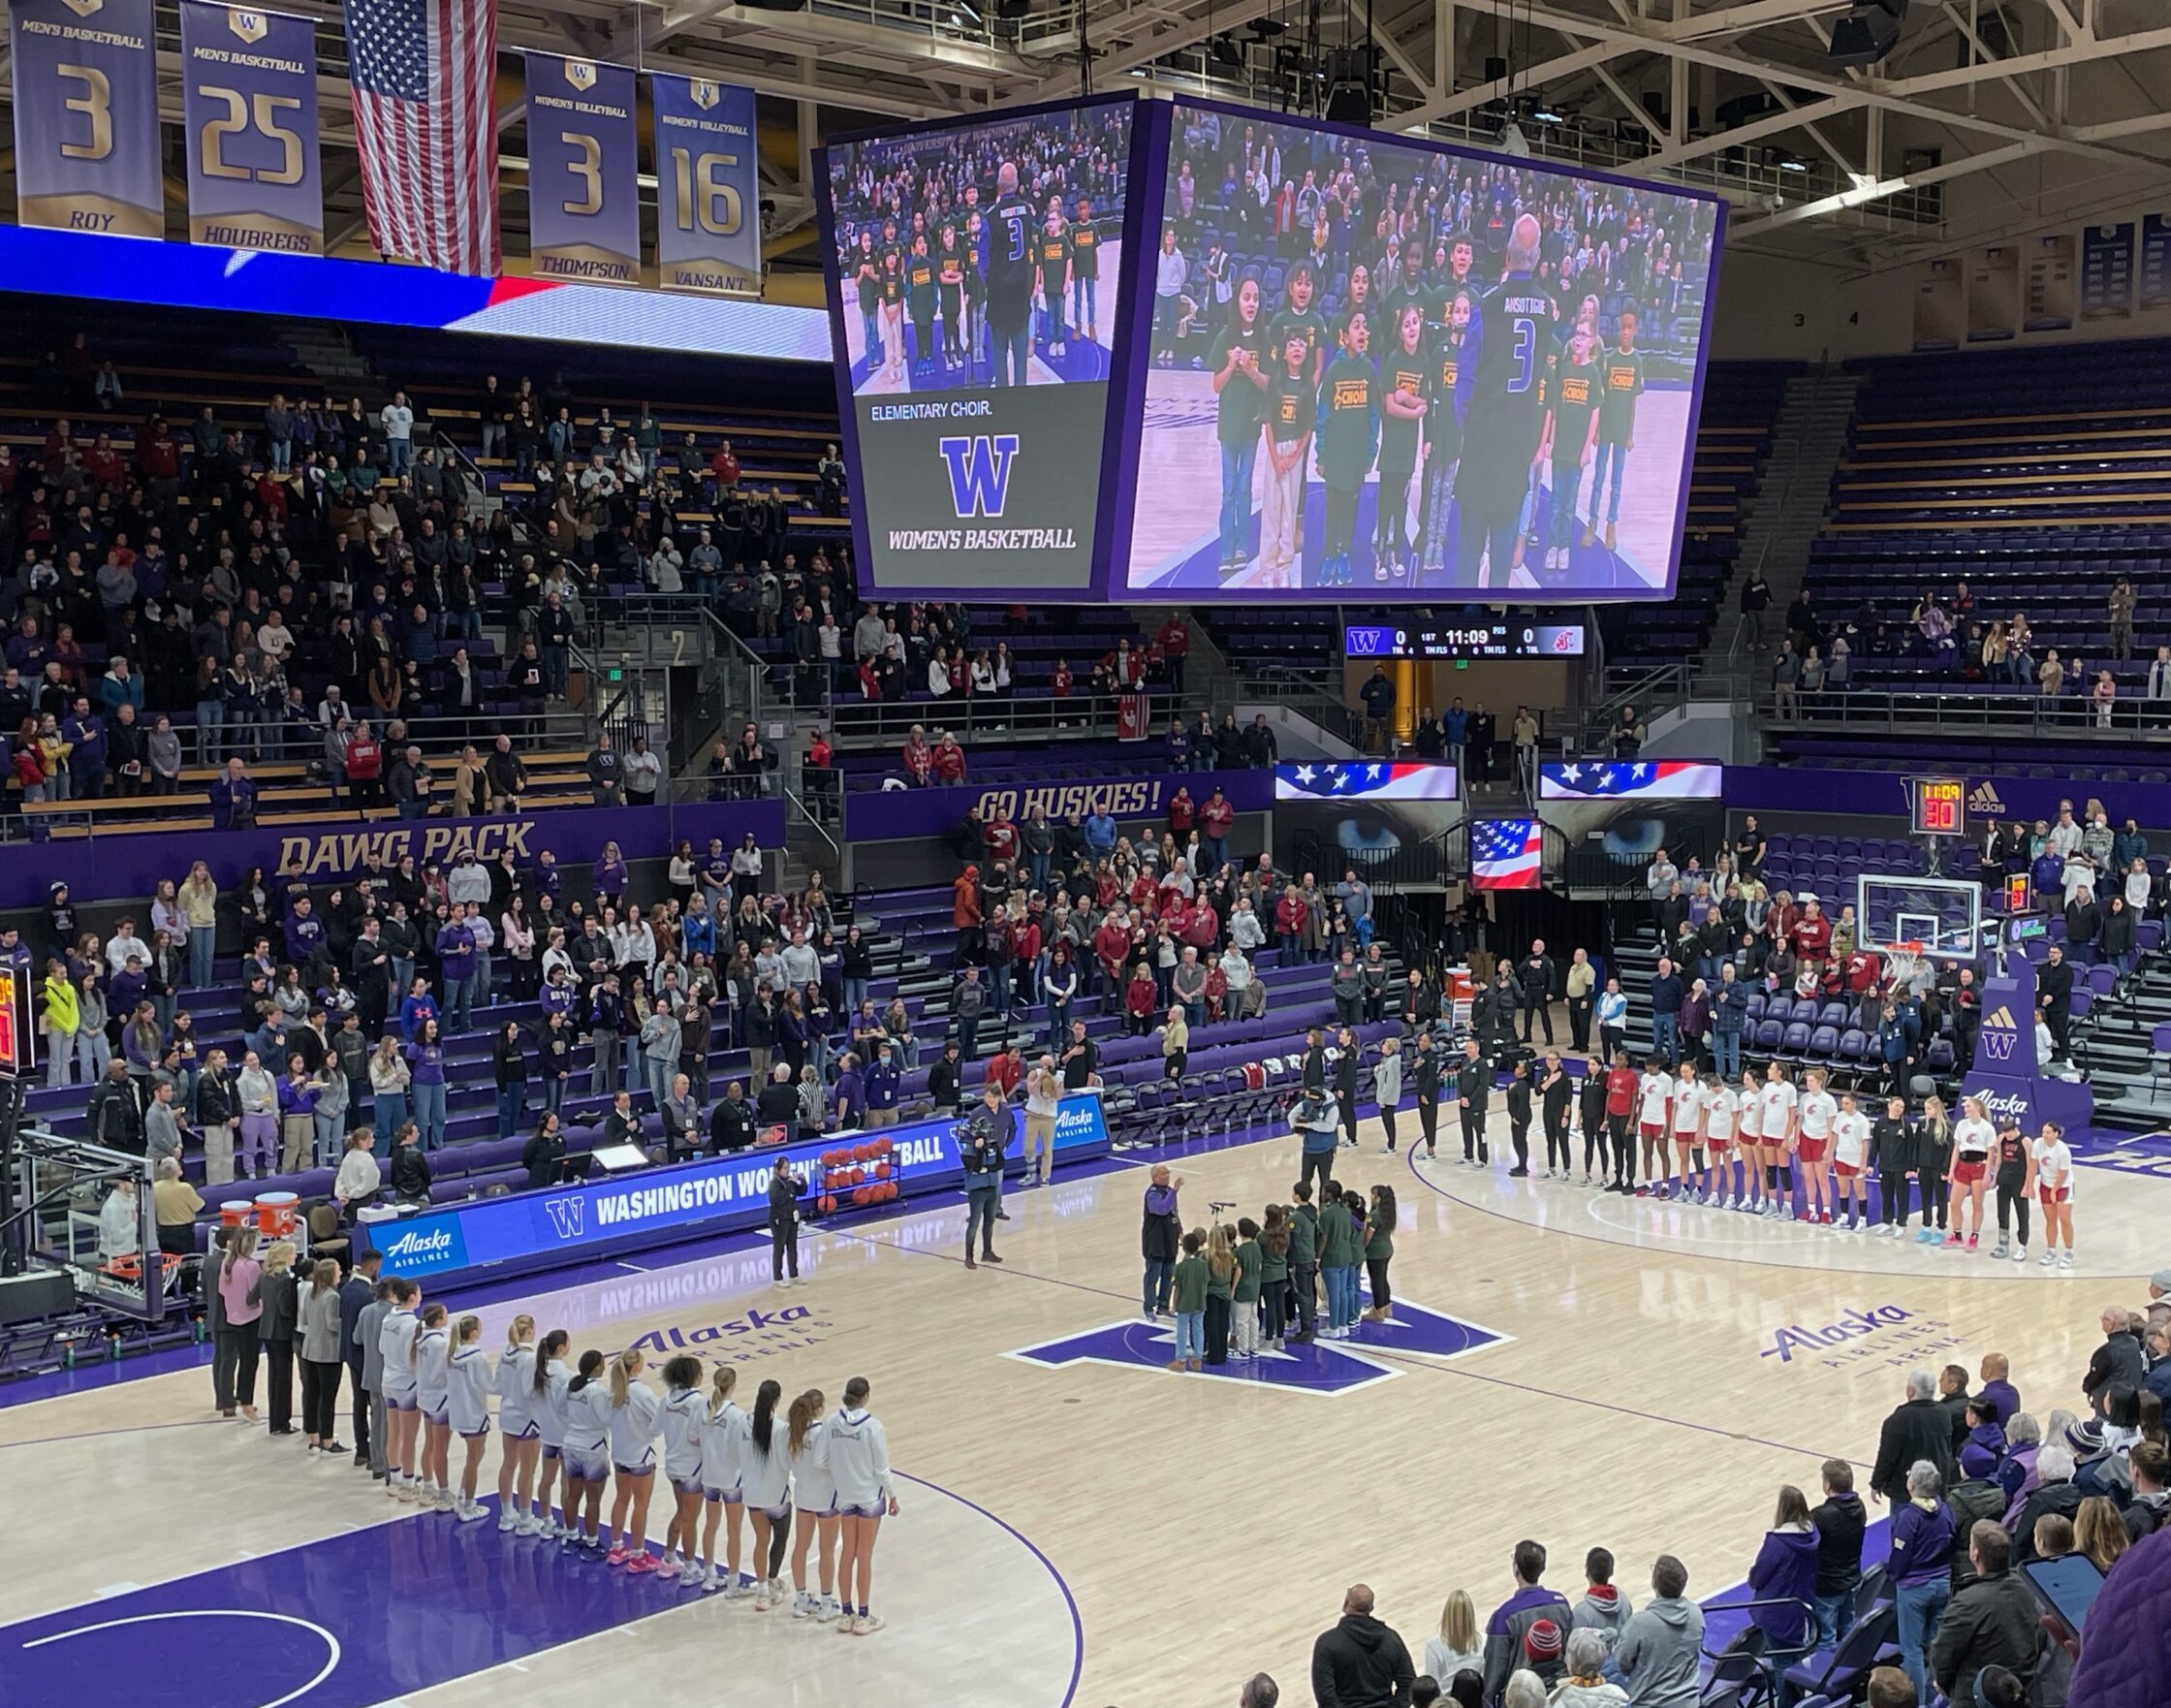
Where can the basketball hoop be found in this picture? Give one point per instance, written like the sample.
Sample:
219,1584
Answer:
1901,960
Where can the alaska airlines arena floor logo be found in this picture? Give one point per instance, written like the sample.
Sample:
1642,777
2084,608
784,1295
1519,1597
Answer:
793,1329
1876,1337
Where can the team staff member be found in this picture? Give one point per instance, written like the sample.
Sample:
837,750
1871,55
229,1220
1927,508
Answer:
980,1139
1473,1091
785,1188
1348,443
1426,1075
1624,366
1501,400
1238,364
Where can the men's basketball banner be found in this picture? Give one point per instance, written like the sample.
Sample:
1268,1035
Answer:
582,169
86,116
249,109
709,221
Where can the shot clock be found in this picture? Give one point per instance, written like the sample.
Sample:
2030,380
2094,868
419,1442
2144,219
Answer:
1940,807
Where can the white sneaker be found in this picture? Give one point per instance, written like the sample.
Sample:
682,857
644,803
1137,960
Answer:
867,1624
507,1521
472,1511
533,1525
763,1600
848,1626
831,1608
736,1592
2065,1260
804,1606
2050,1259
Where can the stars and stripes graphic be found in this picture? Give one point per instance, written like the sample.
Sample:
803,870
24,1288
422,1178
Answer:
1506,853
425,76
1323,779
1607,779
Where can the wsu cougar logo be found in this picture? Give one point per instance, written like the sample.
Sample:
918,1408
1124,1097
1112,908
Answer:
565,1217
979,469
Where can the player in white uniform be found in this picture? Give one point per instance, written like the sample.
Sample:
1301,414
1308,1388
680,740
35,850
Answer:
684,1411
723,1447
817,1493
1777,1126
2051,1160
434,1394
1722,1113
1973,1136
1655,1102
468,1377
396,1347
588,1452
1749,1130
636,1420
1814,1120
1689,1132
547,1406
1850,1162
859,1459
517,1424
765,1483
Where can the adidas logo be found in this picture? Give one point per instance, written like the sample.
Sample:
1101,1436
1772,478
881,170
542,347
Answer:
1983,798
2003,1017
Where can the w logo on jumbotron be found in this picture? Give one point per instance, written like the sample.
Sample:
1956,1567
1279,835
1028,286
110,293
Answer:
2001,1034
979,469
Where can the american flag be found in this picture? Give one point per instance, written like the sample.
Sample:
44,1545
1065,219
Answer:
1325,780
1663,779
1505,853
425,78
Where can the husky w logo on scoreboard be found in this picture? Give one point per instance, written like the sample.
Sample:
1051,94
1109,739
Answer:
979,469
2000,1035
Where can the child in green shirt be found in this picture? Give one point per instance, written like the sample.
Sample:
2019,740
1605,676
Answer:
1187,1283
1220,1287
1273,1274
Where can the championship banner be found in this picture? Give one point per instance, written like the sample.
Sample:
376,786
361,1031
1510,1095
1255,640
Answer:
2050,289
709,227
2107,271
249,108
2155,260
86,116
1993,294
584,160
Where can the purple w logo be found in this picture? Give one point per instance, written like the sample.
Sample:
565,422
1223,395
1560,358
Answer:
979,470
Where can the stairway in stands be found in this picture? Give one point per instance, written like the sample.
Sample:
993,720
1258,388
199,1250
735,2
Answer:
2113,1043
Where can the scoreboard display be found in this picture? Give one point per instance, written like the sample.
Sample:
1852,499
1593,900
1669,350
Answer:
1471,640
1940,807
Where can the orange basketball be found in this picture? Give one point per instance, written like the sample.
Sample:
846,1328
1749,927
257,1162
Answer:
881,1171
828,1204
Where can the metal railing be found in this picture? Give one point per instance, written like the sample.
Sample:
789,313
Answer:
1908,711
1082,717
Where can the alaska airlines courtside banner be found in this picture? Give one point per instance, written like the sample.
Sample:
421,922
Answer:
85,96
709,218
540,1228
583,196
249,109
128,867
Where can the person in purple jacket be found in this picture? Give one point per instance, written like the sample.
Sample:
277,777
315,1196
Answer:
1784,1579
425,1060
2004,1397
1512,1619
1921,1569
849,1095
455,957
610,876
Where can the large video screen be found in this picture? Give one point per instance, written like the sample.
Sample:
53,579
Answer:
975,279
1380,368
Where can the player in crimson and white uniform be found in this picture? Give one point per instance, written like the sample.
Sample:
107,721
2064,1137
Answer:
1777,1099
1749,1129
1688,1128
2052,1166
1972,1137
1723,1112
1851,1161
1818,1112
1655,1102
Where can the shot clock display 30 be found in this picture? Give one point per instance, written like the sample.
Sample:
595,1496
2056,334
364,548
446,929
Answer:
1940,807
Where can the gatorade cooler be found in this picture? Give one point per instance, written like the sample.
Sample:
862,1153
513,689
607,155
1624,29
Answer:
278,1215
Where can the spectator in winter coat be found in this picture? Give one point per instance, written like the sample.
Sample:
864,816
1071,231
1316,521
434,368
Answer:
1360,1662
1784,1576
1991,1620
1512,1620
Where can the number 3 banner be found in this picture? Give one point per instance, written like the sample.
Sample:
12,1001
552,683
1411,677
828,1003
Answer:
249,107
583,196
86,116
709,227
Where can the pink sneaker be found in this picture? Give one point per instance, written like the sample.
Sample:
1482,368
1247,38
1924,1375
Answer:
668,1571
643,1561
1954,1239
1824,1218
1972,1239
616,1556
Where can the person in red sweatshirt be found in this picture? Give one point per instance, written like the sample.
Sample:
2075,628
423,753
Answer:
1216,820
964,912
949,759
919,758
1112,943
1181,812
1812,932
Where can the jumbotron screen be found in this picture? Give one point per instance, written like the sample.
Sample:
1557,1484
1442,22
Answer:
976,285
1380,368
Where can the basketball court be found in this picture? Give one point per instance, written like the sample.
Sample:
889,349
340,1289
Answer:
1079,1525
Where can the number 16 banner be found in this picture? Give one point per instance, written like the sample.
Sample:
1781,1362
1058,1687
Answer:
709,226
86,116
249,108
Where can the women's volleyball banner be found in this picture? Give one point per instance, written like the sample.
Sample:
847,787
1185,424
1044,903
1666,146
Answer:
249,107
583,195
86,116
709,219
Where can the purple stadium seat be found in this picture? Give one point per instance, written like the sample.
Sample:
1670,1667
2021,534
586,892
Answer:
1795,1041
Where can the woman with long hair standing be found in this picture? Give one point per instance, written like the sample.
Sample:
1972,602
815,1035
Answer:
520,1430
433,1396
817,1505
547,1406
321,1354
1379,1251
684,1411
243,1308
587,1451
858,1453
723,1447
395,1344
766,1481
468,1408
635,1419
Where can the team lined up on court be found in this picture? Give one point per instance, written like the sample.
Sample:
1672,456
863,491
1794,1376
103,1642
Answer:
1766,1147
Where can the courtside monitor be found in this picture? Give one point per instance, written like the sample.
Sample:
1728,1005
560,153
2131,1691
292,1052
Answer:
1383,368
976,286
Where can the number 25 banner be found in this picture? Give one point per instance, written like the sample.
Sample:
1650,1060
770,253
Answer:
583,196
249,107
86,116
709,226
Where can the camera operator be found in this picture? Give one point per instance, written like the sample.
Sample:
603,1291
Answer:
982,1137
